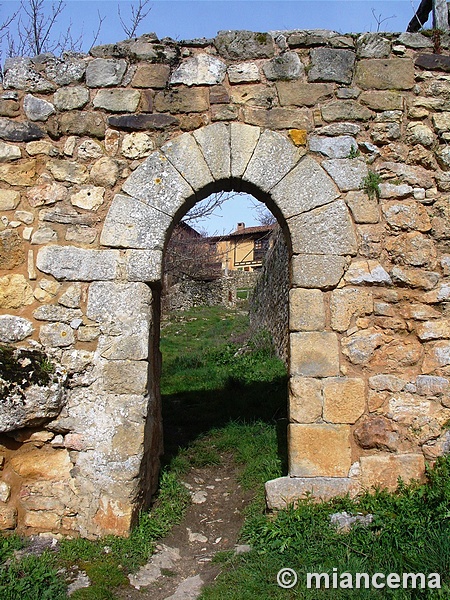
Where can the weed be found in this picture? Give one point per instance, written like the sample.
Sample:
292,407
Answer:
32,578
354,152
371,184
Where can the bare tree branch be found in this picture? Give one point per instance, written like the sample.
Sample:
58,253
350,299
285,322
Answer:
138,14
379,21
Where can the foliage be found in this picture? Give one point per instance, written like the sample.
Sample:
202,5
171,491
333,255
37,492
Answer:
32,578
371,184
354,152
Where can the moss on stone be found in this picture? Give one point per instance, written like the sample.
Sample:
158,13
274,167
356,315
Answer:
21,368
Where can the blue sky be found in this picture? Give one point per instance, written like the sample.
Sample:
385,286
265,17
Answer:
181,19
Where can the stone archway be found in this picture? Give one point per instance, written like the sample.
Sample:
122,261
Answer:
318,226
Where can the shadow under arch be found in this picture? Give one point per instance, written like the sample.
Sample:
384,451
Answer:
186,415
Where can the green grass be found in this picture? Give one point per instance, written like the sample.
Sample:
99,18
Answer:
410,533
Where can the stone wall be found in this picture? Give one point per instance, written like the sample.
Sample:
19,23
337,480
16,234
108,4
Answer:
223,291
269,302
102,154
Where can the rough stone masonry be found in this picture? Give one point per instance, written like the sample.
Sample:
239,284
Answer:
345,137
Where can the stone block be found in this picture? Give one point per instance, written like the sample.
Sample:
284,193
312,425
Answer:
408,214
137,145
302,94
314,354
377,433
329,64
9,152
344,399
305,400
286,491
8,517
385,74
373,45
37,109
12,252
214,142
360,346
243,45
201,69
77,264
102,72
157,183
15,292
185,155
71,171
324,230
117,100
125,376
284,67
143,265
273,158
427,385
347,304
243,73
383,470
54,312
133,224
253,95
5,491
437,355
182,100
243,140
363,208
20,174
42,519
345,110
382,100
433,330
89,197
319,271
348,173
70,98
307,186
151,76
76,122
155,122
56,335
306,310
14,329
16,131
333,147
42,464
278,118
319,450
9,199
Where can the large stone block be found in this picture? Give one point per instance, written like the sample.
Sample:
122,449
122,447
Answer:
243,140
42,464
382,100
273,158
243,45
345,110
143,265
151,76
14,329
20,174
117,100
76,122
214,142
319,450
103,72
279,118
384,470
305,187
12,252
125,376
284,67
182,100
305,400
8,517
302,94
348,173
314,354
157,183
287,491
306,310
385,74
344,399
324,230
364,209
132,224
69,98
319,271
186,156
347,304
77,264
329,64
333,146
201,69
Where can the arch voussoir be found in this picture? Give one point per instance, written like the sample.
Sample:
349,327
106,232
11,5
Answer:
243,139
185,155
214,143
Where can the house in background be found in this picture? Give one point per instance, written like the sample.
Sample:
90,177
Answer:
243,249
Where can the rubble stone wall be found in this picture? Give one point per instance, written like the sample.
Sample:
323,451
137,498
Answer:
345,137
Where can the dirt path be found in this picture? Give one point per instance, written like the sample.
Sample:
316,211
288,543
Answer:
183,561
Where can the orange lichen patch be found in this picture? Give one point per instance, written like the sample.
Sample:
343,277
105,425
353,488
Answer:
113,518
298,136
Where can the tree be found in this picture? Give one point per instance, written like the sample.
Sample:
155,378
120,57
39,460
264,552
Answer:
137,15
